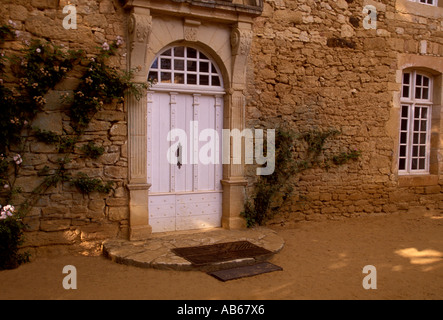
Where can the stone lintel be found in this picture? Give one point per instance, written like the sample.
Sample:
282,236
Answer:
216,10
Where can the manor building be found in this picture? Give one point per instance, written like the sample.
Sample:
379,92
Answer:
244,64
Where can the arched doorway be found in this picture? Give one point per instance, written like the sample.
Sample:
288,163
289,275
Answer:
223,29
185,122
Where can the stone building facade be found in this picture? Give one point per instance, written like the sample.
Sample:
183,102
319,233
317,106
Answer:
310,64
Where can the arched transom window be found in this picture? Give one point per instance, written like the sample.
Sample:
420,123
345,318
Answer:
184,66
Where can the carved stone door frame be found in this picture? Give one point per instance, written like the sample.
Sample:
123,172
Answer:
224,30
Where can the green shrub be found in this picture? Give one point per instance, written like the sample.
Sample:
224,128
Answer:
87,185
11,237
92,151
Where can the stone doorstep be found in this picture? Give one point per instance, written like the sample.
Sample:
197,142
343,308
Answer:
156,252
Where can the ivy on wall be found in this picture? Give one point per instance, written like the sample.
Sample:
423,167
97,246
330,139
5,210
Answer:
271,191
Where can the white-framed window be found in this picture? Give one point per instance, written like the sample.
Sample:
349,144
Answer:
415,123
184,66
428,2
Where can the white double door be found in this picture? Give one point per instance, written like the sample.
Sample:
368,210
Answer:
184,160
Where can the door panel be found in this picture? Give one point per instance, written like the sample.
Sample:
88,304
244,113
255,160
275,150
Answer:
161,123
186,196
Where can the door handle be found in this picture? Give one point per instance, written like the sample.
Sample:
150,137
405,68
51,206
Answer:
179,156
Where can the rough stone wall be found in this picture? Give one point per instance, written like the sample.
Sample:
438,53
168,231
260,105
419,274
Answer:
314,66
63,215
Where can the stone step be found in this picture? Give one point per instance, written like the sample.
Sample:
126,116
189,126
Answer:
156,251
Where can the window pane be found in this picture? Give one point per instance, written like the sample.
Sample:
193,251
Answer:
404,124
418,80
167,53
414,164
405,92
202,56
422,138
415,139
192,53
403,137
166,77
179,65
415,151
204,80
421,164
153,76
403,151
406,78
416,125
424,113
204,66
192,79
165,64
425,93
423,125
216,81
422,151
155,64
179,78
402,164
417,93
404,111
425,81
192,66
417,113
179,51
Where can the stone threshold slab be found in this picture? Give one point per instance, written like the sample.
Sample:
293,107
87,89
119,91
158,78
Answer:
156,251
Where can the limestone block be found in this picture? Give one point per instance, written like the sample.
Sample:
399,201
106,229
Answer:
41,147
95,215
32,223
55,225
347,31
43,26
109,158
116,172
50,121
18,12
96,20
118,213
96,125
77,212
110,115
124,150
117,202
119,129
107,7
98,231
45,4
40,238
28,183
97,205
55,211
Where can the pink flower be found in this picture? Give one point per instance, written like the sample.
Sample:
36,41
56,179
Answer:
18,159
7,211
105,46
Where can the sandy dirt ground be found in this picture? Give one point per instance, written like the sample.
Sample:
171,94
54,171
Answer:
320,260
